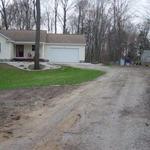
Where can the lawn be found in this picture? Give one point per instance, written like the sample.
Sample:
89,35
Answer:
11,77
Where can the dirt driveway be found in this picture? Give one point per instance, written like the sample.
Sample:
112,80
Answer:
111,113
15,103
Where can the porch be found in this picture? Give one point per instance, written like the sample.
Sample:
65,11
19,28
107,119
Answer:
26,52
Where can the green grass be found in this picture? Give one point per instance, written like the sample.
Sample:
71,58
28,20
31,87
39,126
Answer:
11,77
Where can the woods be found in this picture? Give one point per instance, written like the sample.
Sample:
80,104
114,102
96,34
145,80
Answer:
107,24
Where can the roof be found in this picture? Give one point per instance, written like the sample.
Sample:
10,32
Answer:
29,36
23,35
61,38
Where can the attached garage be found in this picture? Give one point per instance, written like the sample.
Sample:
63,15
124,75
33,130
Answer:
63,54
65,48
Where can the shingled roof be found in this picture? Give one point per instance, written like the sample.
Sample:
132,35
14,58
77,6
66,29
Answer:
29,36
23,35
61,38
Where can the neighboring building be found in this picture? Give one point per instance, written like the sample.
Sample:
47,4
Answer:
145,58
20,45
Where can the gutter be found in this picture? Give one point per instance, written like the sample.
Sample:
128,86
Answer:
64,44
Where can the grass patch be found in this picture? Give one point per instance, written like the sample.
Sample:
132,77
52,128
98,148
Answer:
11,77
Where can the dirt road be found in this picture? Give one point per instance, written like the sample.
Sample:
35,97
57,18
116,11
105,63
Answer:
111,113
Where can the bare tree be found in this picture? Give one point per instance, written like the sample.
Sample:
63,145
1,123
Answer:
118,40
3,11
73,24
65,7
143,37
81,8
96,30
56,14
48,19
28,13
103,24
37,42
20,14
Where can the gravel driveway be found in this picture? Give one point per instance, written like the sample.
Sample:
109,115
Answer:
111,113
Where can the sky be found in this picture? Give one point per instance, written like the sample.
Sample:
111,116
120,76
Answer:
138,8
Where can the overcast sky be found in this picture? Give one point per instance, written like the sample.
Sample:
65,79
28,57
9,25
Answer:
139,7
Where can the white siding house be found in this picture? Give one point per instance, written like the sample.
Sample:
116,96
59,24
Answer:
6,49
20,45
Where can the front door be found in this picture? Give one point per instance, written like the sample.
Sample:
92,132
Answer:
19,50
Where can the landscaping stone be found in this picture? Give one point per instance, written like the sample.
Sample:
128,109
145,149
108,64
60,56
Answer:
30,65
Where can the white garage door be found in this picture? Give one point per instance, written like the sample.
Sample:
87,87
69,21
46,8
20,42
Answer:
63,54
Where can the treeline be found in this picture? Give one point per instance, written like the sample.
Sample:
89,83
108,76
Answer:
107,24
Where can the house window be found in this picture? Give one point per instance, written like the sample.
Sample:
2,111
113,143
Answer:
0,48
33,47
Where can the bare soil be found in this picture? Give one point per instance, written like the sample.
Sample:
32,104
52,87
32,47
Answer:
15,103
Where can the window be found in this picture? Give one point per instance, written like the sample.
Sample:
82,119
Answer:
0,48
33,47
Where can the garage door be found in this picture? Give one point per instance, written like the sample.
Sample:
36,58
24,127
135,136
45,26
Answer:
63,54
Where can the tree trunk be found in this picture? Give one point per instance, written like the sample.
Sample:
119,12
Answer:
37,42
64,21
4,14
48,22
79,18
55,22
5,19
56,13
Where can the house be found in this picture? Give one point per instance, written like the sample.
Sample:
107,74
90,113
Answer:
20,45
145,58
